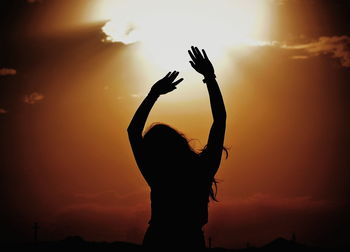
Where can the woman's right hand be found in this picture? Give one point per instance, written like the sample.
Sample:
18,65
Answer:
201,63
166,84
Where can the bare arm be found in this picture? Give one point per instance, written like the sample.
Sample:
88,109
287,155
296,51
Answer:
217,131
135,132
139,119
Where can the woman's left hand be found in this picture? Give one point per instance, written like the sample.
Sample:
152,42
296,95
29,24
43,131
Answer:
166,84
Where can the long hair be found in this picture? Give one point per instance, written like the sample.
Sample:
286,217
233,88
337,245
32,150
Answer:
163,139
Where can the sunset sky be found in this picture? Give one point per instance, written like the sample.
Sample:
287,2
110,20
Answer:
72,74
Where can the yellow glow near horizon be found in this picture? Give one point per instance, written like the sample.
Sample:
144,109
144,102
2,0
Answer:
164,30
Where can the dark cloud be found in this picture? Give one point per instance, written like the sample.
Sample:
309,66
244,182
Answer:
33,98
112,198
337,47
7,71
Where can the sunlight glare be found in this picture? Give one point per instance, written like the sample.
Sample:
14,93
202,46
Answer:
165,29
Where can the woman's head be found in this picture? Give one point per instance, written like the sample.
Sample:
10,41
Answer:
162,139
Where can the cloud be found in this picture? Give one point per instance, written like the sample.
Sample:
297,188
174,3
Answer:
299,57
33,98
3,111
7,71
112,198
337,47
135,95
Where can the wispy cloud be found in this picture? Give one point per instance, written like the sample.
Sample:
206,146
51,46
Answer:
112,198
299,57
337,47
3,111
136,95
33,98
7,71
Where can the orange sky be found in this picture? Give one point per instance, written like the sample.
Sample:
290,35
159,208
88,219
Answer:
69,166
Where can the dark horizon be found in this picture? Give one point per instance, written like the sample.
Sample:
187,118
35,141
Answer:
76,240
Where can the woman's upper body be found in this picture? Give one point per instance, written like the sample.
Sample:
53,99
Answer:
180,179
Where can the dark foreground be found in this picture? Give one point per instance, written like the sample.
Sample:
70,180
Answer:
76,242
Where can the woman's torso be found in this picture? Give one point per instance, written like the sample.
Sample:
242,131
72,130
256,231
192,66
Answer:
180,193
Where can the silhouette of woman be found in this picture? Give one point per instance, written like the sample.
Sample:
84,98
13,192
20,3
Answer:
180,178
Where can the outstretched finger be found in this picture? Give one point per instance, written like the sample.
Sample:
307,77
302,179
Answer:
178,81
173,75
167,75
194,51
205,55
198,53
192,56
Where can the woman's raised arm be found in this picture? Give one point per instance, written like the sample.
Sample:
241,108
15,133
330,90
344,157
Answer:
213,152
138,121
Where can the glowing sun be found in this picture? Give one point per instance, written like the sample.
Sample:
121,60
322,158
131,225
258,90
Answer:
164,30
